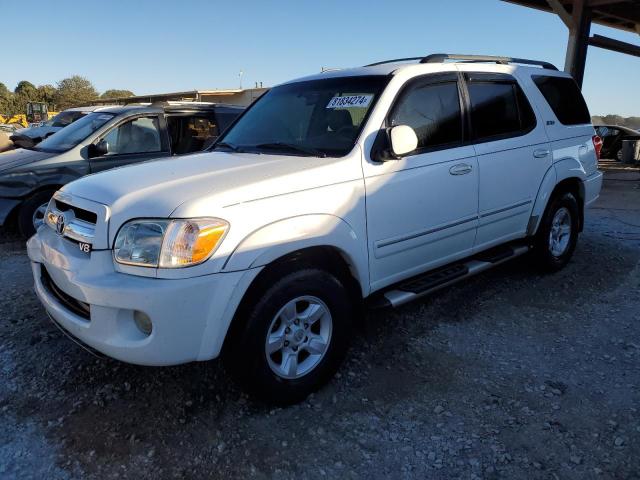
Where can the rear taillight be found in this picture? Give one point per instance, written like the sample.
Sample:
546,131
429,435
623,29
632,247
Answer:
597,144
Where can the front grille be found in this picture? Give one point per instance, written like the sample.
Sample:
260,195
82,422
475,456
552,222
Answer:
81,309
79,213
78,225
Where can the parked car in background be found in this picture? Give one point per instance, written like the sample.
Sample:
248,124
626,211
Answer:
9,128
28,137
375,185
103,139
612,137
6,130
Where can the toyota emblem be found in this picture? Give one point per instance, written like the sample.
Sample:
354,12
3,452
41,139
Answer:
60,225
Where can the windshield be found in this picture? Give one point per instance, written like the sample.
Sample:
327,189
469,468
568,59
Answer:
317,117
63,119
69,137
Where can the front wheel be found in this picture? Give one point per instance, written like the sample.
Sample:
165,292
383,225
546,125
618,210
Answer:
32,211
293,339
558,233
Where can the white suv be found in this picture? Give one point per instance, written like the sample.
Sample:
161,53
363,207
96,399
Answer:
381,183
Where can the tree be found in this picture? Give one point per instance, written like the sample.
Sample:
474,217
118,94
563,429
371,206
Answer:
74,91
4,91
47,93
26,89
113,93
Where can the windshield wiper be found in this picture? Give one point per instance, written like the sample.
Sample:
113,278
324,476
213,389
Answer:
230,146
292,147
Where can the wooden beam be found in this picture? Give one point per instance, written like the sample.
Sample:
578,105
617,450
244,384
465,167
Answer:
599,3
565,16
578,41
614,45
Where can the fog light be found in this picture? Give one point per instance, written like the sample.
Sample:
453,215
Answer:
143,322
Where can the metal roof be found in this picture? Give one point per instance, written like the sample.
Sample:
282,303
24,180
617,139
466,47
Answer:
189,94
621,14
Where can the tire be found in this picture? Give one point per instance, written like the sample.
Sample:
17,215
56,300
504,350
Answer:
557,235
268,324
31,214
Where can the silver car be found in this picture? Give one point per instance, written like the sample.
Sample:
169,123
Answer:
28,137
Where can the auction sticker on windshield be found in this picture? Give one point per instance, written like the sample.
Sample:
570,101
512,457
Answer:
360,101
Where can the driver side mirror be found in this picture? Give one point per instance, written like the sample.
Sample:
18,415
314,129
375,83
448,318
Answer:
394,143
98,149
402,140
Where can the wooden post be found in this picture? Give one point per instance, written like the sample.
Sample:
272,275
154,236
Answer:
578,41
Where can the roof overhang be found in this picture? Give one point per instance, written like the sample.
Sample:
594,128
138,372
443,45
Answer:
620,14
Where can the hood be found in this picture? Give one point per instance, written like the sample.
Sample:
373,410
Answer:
159,187
20,157
36,132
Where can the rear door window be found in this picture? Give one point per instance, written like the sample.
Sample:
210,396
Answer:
499,109
192,133
565,99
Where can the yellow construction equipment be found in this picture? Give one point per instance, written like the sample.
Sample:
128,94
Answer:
36,112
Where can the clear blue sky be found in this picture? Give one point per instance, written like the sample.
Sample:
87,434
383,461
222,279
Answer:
152,46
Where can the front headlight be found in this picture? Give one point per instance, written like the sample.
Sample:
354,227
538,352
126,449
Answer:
168,243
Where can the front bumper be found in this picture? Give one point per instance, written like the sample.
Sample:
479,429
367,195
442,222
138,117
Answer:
190,316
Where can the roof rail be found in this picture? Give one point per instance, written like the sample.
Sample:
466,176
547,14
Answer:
441,57
395,60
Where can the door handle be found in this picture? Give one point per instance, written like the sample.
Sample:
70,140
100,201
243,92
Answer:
541,153
460,169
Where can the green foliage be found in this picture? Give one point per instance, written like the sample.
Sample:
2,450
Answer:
113,93
74,91
25,88
47,93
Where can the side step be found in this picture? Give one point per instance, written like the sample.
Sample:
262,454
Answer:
429,282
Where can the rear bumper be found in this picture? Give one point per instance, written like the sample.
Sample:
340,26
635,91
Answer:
592,187
6,207
97,305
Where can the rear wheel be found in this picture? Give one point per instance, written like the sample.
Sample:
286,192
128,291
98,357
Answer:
32,211
558,233
293,338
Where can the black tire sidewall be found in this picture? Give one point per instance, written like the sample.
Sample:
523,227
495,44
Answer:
246,359
27,209
548,261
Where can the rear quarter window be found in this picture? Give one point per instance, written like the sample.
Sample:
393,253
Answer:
565,99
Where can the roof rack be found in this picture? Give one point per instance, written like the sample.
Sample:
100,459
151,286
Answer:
395,60
442,57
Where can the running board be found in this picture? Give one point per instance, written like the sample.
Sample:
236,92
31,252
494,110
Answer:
434,280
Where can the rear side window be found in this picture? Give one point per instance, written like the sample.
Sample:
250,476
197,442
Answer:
499,109
564,98
433,111
192,133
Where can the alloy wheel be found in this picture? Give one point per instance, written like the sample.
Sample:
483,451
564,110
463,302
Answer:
298,337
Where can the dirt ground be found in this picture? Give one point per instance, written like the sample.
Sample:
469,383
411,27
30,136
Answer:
507,375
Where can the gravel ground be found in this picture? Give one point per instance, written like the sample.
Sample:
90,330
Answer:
508,375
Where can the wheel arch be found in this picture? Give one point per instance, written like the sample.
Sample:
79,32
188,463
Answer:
12,217
566,176
324,257
303,236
